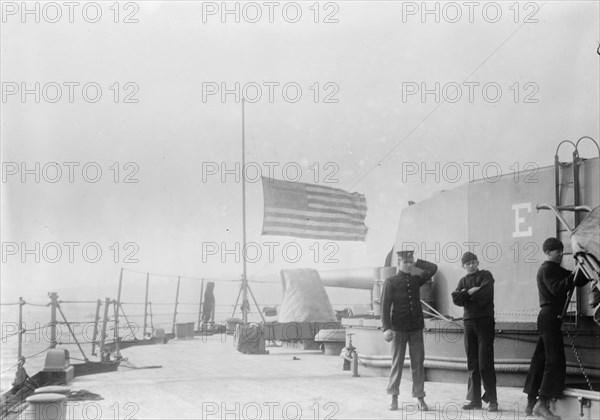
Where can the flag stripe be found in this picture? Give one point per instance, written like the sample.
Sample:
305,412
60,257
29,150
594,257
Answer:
331,192
313,211
319,210
332,226
315,215
303,233
340,209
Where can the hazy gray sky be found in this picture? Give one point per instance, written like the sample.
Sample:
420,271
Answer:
528,75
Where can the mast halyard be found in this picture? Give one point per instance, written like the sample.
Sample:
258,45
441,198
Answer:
245,304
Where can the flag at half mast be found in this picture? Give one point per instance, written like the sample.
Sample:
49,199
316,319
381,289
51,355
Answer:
313,211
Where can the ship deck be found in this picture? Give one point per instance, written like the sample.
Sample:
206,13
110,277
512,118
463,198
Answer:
208,378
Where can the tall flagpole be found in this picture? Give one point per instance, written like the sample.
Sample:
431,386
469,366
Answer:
245,305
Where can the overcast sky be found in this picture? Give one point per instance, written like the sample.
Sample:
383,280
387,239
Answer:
340,104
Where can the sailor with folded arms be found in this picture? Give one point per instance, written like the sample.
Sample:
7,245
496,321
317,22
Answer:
475,293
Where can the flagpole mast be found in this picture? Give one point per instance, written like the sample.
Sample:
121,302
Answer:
245,304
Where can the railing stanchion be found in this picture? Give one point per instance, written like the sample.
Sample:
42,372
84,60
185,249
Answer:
146,305
20,348
116,305
200,305
53,305
96,320
104,325
176,303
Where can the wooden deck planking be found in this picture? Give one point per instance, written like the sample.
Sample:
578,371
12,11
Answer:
209,378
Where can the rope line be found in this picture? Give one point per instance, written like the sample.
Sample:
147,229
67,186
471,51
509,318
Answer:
62,343
49,324
175,276
6,370
37,354
4,337
44,305
78,301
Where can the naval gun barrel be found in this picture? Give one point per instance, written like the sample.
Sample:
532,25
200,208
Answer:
351,278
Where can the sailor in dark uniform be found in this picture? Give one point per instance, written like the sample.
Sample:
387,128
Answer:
475,293
402,319
546,376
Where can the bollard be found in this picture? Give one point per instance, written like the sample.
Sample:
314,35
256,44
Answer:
181,331
350,357
189,330
355,364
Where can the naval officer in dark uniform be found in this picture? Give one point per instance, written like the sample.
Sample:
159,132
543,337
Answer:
546,376
402,319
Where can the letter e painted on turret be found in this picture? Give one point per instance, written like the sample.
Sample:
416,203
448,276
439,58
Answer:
519,232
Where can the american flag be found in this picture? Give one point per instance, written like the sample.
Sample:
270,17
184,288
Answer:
313,211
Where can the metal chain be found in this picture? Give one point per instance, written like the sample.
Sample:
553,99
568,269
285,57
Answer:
579,359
